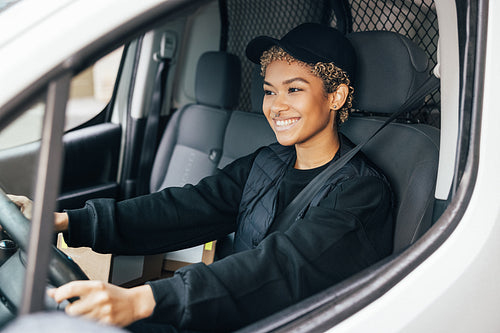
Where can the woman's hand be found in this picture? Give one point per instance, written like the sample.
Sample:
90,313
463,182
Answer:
105,302
26,207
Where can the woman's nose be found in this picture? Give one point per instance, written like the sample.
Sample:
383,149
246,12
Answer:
279,104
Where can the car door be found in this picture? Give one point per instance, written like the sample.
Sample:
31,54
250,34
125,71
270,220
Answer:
91,141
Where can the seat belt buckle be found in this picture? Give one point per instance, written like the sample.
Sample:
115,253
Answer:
168,44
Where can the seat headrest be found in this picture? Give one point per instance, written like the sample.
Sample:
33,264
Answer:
218,80
390,67
257,91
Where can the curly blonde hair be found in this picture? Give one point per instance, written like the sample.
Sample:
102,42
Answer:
331,76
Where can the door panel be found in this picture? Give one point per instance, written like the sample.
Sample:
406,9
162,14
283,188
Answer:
90,166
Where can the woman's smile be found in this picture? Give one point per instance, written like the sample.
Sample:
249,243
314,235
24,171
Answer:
284,124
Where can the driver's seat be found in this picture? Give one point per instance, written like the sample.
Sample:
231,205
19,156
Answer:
390,68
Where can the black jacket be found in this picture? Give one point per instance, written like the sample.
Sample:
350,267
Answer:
348,230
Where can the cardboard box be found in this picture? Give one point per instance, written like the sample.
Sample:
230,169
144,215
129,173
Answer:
99,266
95,265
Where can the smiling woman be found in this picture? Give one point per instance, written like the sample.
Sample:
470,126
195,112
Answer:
345,227
331,75
300,113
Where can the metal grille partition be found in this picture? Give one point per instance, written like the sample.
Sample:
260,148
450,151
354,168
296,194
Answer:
246,19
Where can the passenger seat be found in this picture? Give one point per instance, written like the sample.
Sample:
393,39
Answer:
390,69
191,146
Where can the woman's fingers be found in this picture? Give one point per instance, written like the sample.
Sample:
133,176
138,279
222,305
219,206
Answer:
76,289
88,307
24,204
105,302
94,299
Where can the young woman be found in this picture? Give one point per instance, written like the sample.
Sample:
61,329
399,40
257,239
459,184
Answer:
276,262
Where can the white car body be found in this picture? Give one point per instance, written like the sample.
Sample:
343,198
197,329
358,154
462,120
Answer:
455,289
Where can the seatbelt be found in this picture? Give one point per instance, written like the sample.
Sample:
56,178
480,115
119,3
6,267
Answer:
163,57
296,208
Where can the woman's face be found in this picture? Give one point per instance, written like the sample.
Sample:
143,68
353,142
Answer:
296,106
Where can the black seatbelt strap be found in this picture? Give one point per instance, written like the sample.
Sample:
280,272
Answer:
297,206
163,57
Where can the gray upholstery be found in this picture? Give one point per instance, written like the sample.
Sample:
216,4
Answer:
257,92
191,146
218,80
408,155
245,133
392,68
248,131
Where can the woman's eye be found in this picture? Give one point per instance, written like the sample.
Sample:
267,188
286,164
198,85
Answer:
292,90
268,92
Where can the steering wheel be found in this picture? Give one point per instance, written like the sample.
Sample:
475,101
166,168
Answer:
62,269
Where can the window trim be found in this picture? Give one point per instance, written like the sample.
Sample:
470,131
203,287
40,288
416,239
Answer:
46,191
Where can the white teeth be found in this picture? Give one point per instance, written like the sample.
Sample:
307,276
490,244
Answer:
285,122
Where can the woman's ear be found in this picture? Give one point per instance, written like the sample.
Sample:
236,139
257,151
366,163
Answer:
338,97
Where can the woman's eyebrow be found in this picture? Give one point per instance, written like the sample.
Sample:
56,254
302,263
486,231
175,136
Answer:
295,79
289,81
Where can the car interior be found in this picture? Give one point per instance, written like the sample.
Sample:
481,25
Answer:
209,113
216,128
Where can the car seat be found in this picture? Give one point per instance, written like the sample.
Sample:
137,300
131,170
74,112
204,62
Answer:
191,146
243,125
390,68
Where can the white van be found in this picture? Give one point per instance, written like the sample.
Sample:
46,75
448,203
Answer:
77,80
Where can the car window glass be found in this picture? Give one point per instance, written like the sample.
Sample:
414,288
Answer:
90,92
18,164
26,128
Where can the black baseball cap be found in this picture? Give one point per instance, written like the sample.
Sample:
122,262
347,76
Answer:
310,43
